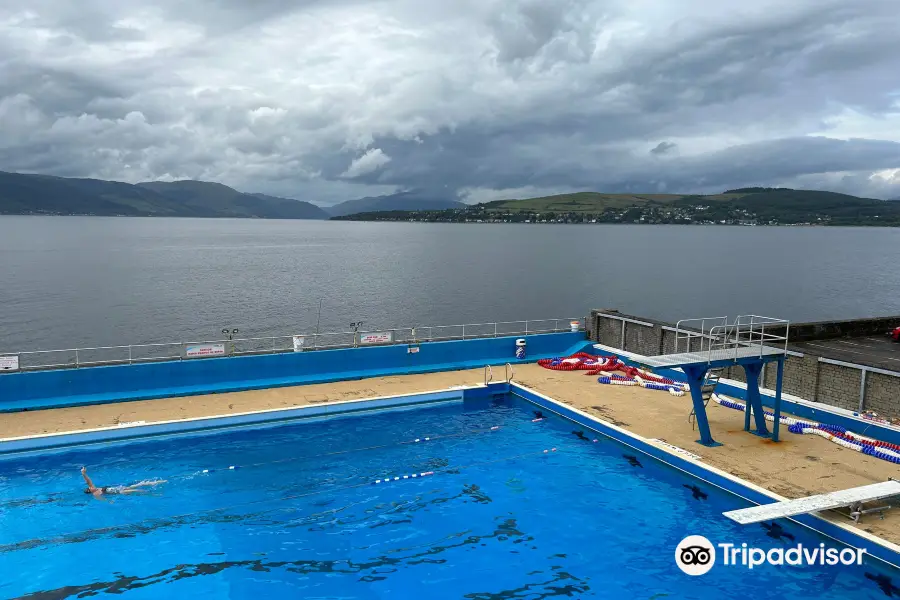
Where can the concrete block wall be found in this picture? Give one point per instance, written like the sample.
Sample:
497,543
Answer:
883,394
645,340
808,376
839,386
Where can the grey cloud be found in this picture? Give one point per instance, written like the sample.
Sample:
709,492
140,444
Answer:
663,148
282,97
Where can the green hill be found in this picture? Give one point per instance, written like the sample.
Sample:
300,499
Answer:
747,206
45,195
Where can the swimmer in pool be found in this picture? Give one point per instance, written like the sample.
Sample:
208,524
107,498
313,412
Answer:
97,492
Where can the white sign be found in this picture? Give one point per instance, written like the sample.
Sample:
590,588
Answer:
377,338
412,350
299,340
9,363
205,350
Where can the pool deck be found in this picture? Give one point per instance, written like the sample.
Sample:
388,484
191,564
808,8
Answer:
796,467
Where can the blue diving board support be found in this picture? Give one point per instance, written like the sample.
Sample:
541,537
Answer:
751,358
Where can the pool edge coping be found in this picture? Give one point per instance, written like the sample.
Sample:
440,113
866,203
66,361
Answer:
11,446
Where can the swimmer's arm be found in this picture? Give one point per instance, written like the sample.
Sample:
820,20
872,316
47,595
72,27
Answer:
87,479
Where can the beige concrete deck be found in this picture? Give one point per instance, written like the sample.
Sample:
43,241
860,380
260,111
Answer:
798,466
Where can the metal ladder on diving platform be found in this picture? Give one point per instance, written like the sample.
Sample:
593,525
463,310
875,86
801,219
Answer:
710,381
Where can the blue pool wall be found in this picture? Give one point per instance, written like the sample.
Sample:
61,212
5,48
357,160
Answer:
735,487
32,390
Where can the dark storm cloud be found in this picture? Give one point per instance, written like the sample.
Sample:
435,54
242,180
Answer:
331,100
663,147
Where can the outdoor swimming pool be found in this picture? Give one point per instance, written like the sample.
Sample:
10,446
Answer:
301,517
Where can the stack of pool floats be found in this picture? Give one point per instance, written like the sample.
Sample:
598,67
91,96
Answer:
835,433
582,361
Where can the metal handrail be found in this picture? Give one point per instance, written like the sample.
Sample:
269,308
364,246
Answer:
150,352
510,372
718,334
488,374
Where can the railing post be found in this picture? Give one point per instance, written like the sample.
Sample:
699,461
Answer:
464,332
526,327
495,330
555,325
862,391
76,358
273,343
129,355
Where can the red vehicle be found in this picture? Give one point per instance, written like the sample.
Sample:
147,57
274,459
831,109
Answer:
895,334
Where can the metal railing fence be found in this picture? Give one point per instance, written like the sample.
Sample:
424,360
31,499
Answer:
299,342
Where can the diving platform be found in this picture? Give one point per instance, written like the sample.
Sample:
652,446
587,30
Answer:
853,498
714,358
714,343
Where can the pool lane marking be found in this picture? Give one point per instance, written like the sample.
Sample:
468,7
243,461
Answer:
53,496
338,452
172,520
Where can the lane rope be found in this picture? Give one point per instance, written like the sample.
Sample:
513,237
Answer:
86,534
834,433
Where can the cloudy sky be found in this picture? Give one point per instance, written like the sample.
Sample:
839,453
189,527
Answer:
326,100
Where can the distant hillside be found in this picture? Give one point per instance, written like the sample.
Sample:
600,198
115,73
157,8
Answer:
401,201
745,206
45,195
228,202
593,202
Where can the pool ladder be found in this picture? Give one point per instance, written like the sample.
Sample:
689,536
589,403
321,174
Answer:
707,390
510,372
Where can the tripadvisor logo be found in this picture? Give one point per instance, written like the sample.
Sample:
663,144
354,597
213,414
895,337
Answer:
696,555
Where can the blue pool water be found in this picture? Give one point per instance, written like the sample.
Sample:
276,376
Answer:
499,519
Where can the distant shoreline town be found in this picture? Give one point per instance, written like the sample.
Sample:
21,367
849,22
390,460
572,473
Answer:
26,194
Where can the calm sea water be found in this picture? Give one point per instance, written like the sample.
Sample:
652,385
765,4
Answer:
82,281
300,517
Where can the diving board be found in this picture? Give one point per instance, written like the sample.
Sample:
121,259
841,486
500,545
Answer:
853,497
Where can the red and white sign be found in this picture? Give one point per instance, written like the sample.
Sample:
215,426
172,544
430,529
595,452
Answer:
385,337
205,350
9,363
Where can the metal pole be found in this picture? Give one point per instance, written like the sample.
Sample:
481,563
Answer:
129,355
777,415
495,330
464,332
862,391
622,345
319,316
76,358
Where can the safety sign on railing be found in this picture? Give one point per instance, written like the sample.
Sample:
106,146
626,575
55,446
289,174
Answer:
205,350
9,363
299,340
385,337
